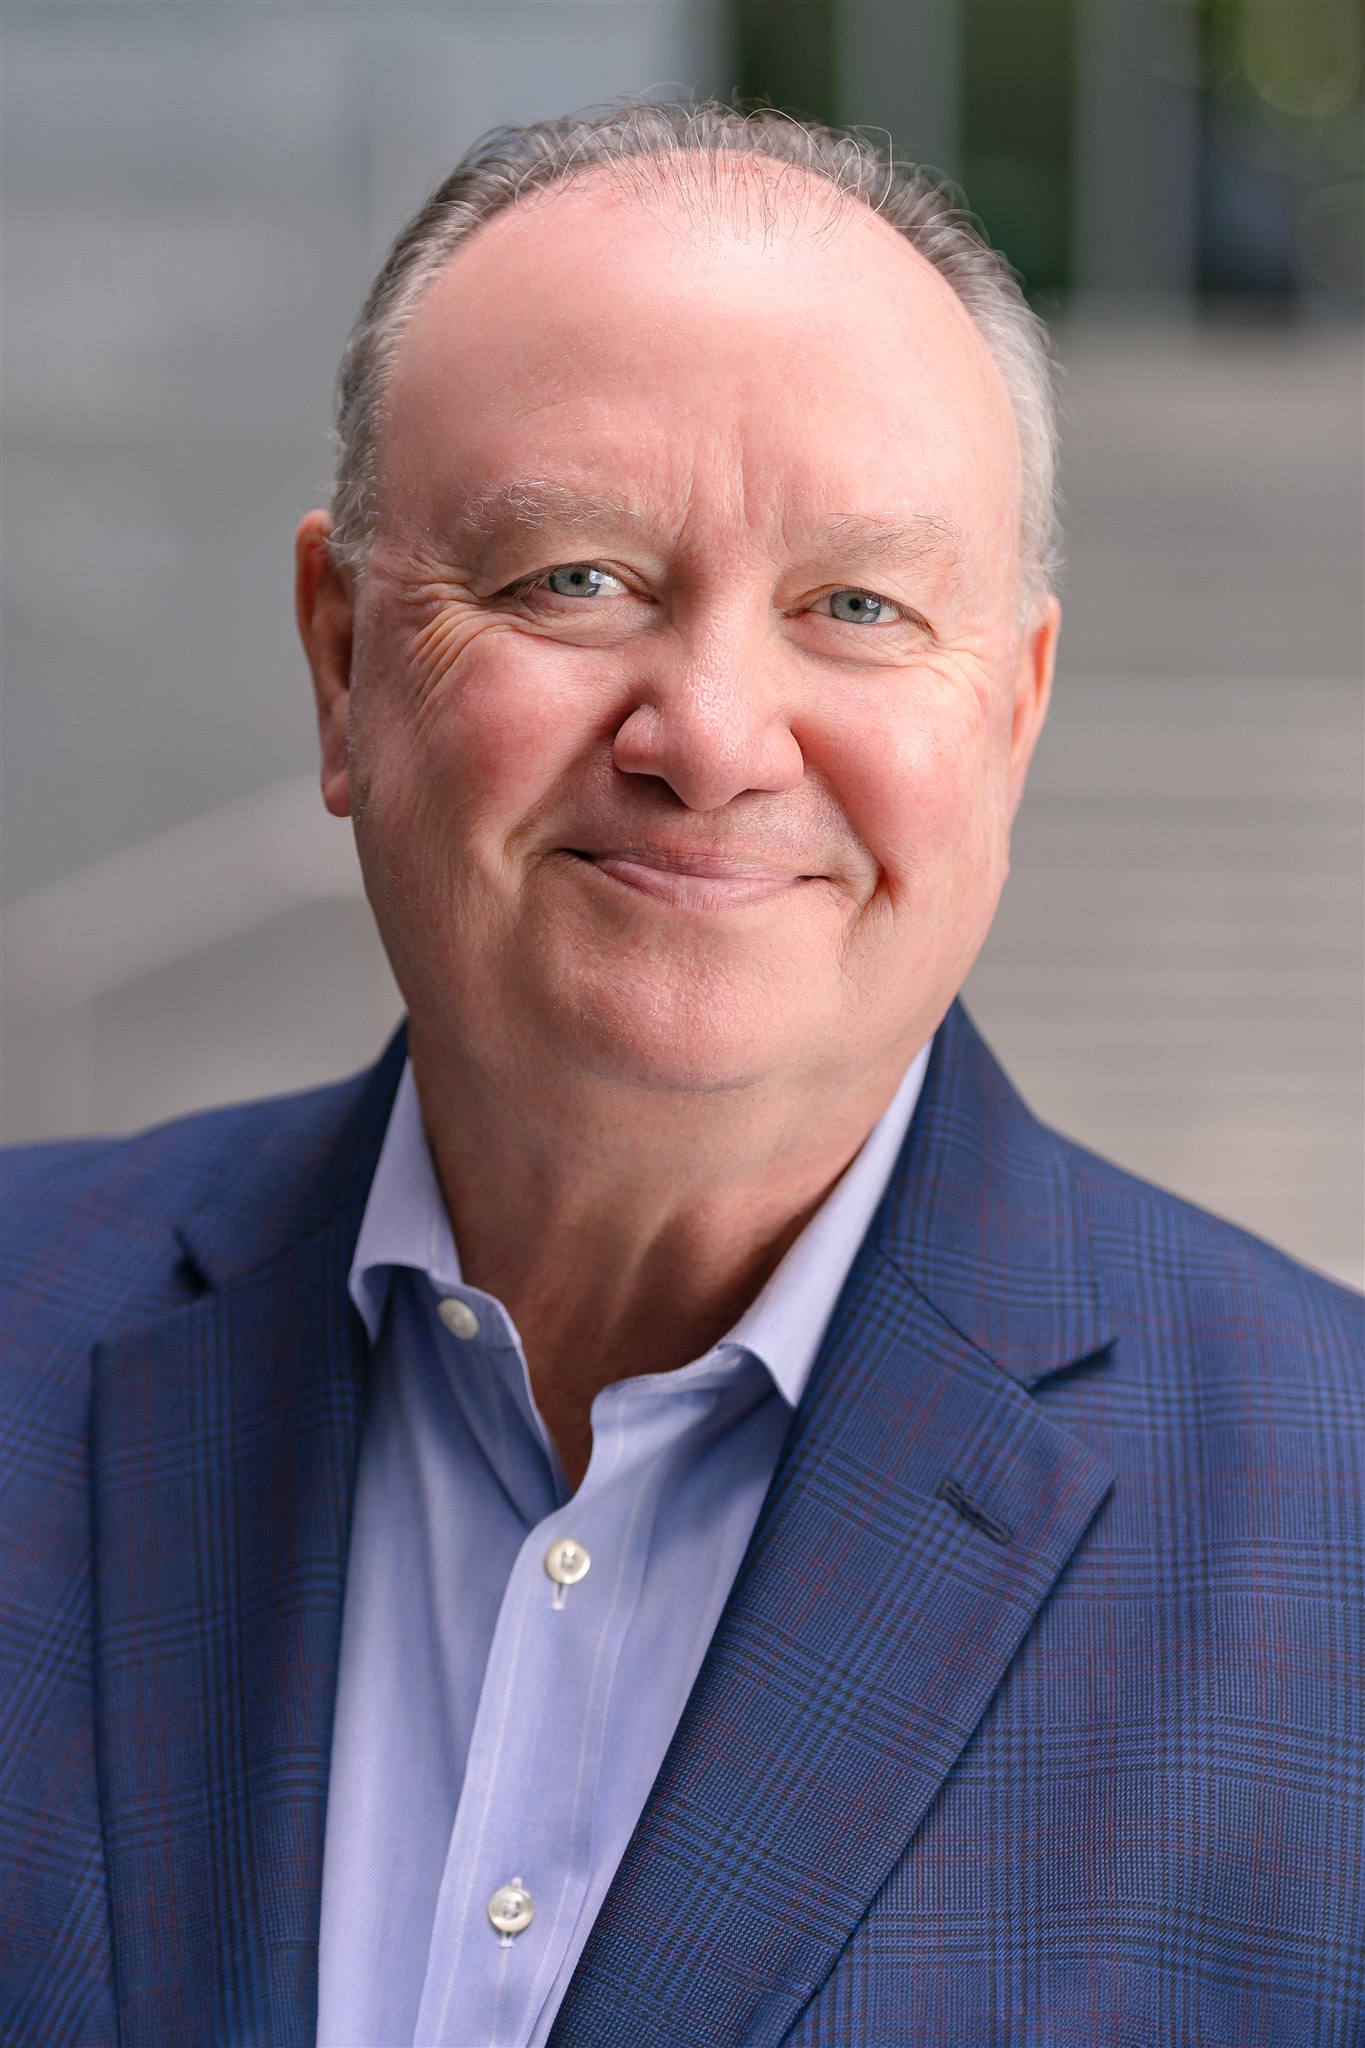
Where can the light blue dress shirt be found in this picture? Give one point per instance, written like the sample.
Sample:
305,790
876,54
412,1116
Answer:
496,1728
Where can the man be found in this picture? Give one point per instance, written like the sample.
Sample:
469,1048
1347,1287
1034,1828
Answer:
672,1510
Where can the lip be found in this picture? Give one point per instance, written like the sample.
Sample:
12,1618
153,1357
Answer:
693,880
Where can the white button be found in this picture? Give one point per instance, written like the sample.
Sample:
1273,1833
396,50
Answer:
458,1317
567,1562
511,1908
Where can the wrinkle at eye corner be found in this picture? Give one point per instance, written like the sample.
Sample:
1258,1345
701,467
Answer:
444,638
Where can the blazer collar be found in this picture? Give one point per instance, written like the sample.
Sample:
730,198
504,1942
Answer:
980,1213
299,1165
983,1217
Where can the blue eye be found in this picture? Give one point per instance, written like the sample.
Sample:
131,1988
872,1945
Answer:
578,579
856,607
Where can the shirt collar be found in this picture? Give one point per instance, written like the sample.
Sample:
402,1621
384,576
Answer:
405,1225
405,1221
784,1325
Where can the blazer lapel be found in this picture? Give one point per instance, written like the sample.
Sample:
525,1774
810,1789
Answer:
224,1446
923,1510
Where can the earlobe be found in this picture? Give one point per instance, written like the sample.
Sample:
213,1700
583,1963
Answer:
323,603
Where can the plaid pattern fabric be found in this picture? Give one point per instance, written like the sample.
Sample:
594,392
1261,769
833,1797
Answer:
1036,1716
181,1408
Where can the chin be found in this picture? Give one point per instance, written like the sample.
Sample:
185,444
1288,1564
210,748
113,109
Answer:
660,1033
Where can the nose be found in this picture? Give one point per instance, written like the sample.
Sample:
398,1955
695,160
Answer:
710,720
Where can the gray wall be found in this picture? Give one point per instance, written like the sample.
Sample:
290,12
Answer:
1176,972
196,195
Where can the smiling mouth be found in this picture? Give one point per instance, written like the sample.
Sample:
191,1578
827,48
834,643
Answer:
693,881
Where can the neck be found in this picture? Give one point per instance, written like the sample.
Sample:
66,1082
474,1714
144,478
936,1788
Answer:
626,1229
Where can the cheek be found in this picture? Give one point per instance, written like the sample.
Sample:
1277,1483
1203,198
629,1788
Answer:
497,736
472,745
923,786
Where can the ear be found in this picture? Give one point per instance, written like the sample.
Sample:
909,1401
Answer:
1032,691
324,607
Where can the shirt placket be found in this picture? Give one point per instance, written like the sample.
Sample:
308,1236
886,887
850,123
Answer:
519,1863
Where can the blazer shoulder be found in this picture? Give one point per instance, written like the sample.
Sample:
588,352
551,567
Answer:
1162,1254
93,1199
103,1234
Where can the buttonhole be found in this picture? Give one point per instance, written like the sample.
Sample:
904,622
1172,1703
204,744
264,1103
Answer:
957,1498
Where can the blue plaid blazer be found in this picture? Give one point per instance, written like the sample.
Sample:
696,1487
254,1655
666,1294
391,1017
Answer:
1036,1717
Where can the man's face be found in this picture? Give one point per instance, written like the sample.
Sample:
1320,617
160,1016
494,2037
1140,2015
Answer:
688,703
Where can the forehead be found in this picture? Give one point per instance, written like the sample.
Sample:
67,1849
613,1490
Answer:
731,328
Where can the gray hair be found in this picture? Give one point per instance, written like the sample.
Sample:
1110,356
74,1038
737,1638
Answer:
509,164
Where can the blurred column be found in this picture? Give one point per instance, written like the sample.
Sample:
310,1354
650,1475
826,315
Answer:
1018,91
897,65
1136,163
784,54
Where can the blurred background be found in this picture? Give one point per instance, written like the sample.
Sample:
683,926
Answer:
197,192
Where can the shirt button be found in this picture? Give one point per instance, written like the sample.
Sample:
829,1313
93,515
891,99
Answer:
567,1562
458,1317
511,1908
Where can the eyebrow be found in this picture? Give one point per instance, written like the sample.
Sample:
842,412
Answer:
874,537
531,504
536,504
